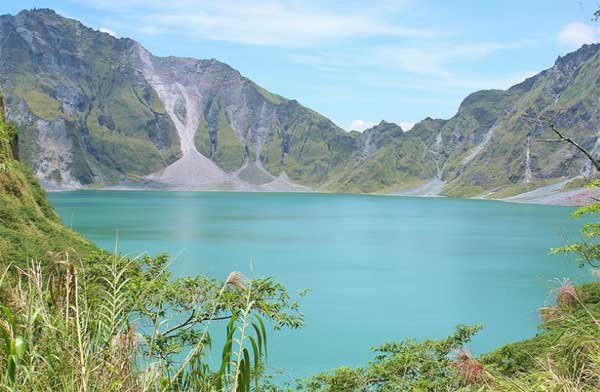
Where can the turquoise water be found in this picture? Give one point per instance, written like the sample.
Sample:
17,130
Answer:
379,268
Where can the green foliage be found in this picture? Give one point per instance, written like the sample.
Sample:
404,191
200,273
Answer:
273,98
238,371
312,146
125,154
41,104
29,226
190,302
565,354
217,139
14,345
405,366
272,153
202,138
106,322
588,250
111,116
84,319
7,135
129,131
229,152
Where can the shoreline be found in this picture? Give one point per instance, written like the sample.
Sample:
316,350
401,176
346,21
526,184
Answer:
571,198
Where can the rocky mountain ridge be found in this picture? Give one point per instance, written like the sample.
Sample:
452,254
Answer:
99,111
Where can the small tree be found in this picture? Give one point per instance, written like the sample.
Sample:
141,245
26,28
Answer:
587,250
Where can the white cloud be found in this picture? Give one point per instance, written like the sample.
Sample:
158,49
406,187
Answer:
406,126
574,35
263,22
107,31
484,82
308,27
433,63
360,125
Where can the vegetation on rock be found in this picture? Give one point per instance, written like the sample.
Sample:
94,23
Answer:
93,116
73,317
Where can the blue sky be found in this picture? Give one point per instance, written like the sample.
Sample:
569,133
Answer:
356,62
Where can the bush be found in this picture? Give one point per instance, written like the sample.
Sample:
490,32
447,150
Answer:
111,323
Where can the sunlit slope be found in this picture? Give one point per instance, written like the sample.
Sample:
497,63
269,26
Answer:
100,111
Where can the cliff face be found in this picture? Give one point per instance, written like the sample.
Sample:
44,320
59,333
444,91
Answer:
567,95
99,110
233,131
86,115
494,146
96,110
29,226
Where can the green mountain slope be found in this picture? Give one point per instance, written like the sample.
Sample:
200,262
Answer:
29,226
86,115
93,108
494,146
99,111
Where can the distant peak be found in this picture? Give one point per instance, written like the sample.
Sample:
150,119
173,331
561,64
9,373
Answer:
384,126
39,11
46,16
579,56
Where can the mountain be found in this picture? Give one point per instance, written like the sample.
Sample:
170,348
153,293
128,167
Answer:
99,111
29,226
496,145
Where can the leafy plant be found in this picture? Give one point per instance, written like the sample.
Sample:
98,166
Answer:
93,324
14,345
588,249
405,366
7,135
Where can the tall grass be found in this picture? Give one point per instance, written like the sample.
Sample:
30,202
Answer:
571,358
64,331
7,134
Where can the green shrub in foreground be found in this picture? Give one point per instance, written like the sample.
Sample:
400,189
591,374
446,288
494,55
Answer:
110,323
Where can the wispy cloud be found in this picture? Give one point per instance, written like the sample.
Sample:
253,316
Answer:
574,35
359,125
497,81
289,23
385,53
362,125
428,66
434,60
406,126
309,29
459,83
107,31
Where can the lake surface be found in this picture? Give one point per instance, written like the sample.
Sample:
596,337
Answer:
379,268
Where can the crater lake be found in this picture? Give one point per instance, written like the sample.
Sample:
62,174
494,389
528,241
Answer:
378,268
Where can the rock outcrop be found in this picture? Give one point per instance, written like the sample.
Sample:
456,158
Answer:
95,110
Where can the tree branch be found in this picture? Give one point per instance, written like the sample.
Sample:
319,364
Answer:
576,145
183,324
216,318
190,320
